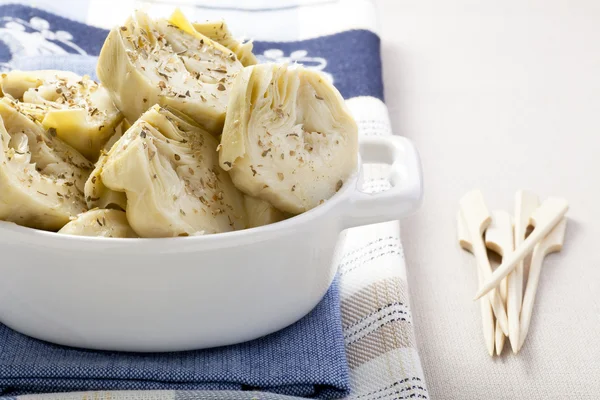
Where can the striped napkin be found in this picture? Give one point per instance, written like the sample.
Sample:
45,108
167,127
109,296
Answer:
338,38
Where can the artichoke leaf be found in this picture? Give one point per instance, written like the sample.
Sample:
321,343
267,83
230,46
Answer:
219,32
261,213
96,194
101,223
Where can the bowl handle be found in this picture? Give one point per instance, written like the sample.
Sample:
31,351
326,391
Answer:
406,178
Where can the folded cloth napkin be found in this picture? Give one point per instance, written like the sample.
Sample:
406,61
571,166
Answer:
338,38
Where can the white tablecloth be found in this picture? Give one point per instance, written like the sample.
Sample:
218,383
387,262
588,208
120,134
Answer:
500,96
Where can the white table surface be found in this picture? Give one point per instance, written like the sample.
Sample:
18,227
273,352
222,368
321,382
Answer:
500,96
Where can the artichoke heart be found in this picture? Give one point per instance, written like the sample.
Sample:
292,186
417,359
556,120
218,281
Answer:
168,168
80,110
41,177
261,213
288,137
102,223
167,62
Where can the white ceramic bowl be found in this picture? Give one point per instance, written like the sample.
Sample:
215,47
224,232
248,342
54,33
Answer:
191,292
